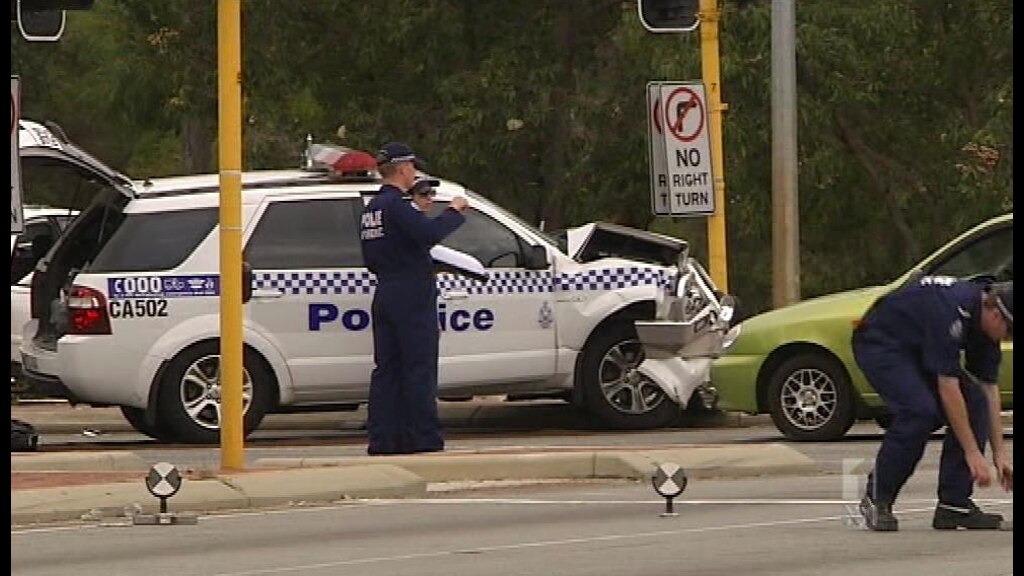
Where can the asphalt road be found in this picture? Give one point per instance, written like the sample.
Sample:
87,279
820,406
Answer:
769,525
786,525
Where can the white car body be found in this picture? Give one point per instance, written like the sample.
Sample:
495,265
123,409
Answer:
522,332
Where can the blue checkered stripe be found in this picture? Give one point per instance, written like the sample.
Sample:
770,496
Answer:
615,278
499,282
356,282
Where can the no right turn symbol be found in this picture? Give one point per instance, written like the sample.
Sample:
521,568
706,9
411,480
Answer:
684,114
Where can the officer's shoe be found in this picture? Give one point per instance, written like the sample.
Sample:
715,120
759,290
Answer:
878,516
949,517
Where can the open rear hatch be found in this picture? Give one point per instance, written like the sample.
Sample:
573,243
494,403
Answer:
57,172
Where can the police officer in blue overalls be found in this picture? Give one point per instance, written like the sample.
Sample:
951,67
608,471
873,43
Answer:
909,346
396,241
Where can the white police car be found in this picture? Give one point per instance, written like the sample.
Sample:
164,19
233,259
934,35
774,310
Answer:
125,307
53,167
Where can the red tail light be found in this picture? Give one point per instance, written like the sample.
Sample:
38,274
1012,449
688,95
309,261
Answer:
87,308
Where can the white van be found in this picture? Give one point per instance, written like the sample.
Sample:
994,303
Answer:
126,306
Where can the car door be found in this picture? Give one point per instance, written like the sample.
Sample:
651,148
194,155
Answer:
989,253
311,292
501,330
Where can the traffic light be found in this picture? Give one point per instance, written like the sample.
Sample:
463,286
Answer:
669,15
43,20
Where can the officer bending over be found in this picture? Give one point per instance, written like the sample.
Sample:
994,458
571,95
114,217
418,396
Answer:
396,241
909,346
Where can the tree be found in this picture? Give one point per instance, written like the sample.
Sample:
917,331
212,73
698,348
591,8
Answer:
905,109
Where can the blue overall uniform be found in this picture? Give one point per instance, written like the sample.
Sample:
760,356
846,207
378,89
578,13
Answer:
396,242
905,342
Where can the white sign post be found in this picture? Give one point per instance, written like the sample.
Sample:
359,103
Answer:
656,145
17,217
680,149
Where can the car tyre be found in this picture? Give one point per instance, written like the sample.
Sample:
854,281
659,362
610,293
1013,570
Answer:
136,417
190,393
615,394
810,398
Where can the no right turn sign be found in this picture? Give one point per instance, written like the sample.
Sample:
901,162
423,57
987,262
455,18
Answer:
680,150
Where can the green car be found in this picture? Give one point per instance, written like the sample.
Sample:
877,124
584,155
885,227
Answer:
796,362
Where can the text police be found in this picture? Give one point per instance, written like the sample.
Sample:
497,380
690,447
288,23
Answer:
356,319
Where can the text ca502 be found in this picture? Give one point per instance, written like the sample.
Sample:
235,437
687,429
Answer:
144,308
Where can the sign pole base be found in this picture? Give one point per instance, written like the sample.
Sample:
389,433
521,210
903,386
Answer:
165,519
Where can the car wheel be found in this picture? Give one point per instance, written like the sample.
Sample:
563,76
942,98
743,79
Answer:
190,393
810,399
136,417
615,392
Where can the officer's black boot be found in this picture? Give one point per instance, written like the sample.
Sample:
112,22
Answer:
878,516
949,517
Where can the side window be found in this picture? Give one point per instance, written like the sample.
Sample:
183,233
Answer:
29,246
484,238
307,234
154,241
991,254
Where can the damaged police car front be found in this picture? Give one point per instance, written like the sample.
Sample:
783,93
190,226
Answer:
126,306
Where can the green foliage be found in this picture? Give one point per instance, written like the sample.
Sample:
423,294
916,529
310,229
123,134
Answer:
905,109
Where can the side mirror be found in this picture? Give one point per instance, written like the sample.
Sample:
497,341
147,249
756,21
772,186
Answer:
535,257
247,281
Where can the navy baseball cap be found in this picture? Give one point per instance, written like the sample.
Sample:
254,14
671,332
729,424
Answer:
394,152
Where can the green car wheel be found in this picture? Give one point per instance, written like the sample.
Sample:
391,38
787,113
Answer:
810,398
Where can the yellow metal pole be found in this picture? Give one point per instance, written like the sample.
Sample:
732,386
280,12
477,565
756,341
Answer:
710,69
229,64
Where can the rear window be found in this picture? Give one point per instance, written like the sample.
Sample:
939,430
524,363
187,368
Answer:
154,241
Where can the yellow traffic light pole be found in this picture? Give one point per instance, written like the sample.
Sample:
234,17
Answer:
710,70
229,83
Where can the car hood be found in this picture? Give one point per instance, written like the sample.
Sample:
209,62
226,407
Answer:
598,240
846,306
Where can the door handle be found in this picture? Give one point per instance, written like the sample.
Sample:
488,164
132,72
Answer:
267,293
455,295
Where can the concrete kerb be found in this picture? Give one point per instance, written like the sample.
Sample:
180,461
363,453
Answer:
699,461
298,486
296,481
226,492
77,461
118,500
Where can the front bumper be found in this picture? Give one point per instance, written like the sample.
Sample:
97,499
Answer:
735,378
691,330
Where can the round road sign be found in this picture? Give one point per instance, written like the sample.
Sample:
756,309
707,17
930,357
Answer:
163,480
669,480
